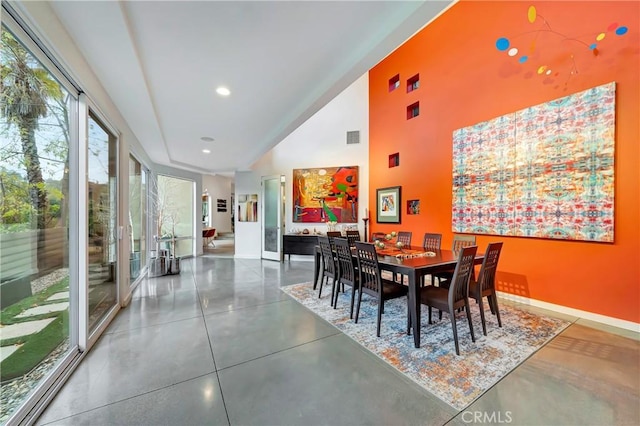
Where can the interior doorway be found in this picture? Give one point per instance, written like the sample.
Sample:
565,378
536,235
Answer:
272,226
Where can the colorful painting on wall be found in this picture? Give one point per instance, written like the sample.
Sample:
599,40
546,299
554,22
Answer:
247,207
413,206
328,194
389,204
546,171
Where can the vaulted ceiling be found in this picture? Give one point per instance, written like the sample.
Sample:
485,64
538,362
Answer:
161,62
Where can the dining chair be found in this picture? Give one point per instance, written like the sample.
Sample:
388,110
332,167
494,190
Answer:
485,286
352,237
459,242
404,237
346,271
329,267
431,242
334,234
455,297
372,283
377,236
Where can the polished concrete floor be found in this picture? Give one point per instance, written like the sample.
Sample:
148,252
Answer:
221,344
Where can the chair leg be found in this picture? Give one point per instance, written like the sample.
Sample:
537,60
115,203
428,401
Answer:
493,310
484,324
466,305
430,315
320,269
353,296
335,288
322,280
408,317
335,301
494,299
358,305
455,331
380,309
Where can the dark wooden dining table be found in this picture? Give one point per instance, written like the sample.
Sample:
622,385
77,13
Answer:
414,269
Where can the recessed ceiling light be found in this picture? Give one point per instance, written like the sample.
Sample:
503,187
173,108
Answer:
206,139
206,151
223,91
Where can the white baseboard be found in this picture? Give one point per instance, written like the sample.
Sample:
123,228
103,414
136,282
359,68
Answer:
615,322
245,256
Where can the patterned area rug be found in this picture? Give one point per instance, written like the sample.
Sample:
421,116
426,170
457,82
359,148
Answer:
457,380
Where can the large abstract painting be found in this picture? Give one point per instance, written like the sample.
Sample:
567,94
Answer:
546,171
328,194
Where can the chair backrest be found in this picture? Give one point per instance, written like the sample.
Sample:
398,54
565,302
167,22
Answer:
460,241
487,277
377,236
353,236
404,237
431,241
327,255
334,234
345,261
368,268
459,288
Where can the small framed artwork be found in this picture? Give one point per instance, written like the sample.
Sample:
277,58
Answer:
413,207
388,204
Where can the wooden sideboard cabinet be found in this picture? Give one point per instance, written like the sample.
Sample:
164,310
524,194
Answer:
299,244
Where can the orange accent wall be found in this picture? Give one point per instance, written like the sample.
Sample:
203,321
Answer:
465,80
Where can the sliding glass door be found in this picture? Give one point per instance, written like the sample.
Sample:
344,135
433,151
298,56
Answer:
137,218
38,211
102,152
175,213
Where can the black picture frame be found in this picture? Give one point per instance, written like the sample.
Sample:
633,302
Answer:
389,204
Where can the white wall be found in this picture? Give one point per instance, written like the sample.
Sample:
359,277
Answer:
319,142
219,187
248,235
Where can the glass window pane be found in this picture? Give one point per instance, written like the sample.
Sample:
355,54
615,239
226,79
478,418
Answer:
175,214
137,217
34,222
271,197
102,219
143,221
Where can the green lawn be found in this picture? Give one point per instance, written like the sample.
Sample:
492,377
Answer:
35,347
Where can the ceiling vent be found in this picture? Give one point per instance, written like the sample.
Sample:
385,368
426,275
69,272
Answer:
353,137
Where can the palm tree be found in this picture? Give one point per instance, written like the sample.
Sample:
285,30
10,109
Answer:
25,88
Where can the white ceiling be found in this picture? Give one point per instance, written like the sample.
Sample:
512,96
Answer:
161,62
